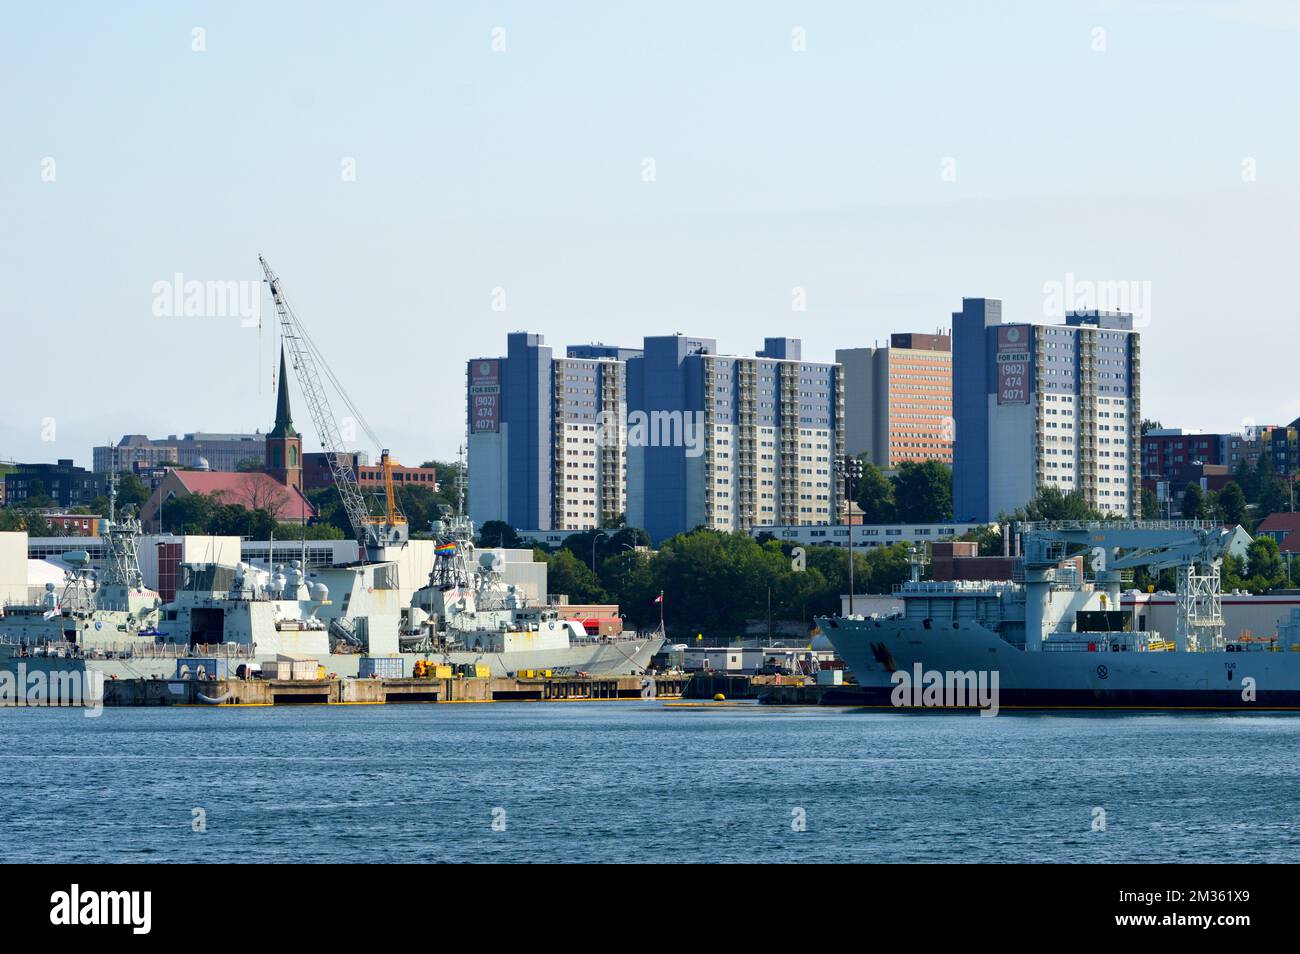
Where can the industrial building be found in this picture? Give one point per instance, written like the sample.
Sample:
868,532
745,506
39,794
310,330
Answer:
1040,406
898,400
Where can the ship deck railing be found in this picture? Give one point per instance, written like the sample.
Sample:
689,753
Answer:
953,587
1029,526
60,648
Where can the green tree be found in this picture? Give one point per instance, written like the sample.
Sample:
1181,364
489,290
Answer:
314,531
566,574
1232,503
1273,496
1245,478
420,504
923,492
628,577
716,581
1053,503
1150,505
330,510
1264,565
250,465
31,522
235,521
989,538
1193,502
889,566
875,496
449,473
191,513
498,533
132,492
604,542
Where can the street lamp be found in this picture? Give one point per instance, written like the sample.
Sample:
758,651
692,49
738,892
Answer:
598,535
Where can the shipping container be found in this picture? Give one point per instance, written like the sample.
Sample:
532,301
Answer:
304,671
382,667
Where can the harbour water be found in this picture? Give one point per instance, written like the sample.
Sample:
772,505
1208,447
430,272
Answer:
644,781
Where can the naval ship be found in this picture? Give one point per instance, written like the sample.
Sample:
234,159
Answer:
1053,638
244,615
106,613
468,614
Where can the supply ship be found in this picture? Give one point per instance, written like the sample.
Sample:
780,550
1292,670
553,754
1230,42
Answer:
1054,638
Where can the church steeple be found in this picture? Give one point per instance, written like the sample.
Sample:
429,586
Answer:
283,419
284,443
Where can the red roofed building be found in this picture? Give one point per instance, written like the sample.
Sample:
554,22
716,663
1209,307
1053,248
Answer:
278,490
253,491
1282,527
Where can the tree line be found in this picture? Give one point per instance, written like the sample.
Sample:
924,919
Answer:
714,582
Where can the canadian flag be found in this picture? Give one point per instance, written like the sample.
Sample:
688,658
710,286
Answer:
659,598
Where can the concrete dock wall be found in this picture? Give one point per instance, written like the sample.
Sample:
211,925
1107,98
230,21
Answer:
266,692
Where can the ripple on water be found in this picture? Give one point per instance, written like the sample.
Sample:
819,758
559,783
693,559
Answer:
633,782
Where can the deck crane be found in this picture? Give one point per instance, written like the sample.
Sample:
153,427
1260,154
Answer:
1193,548
373,533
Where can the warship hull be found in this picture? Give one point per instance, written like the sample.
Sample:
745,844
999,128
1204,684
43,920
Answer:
625,656
875,649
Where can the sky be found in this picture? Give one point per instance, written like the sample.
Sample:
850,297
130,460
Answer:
426,178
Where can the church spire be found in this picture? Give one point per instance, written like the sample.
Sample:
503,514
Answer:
283,420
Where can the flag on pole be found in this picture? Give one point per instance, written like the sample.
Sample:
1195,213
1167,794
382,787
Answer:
659,598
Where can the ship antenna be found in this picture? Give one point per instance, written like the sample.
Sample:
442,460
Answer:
112,483
460,482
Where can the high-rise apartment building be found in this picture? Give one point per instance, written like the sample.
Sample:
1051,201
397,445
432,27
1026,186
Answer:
731,442
546,450
898,400
1045,406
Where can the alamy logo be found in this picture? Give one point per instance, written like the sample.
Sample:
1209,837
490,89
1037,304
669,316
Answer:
652,429
1081,294
53,687
180,298
102,907
933,689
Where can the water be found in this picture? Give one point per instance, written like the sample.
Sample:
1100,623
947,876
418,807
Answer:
640,781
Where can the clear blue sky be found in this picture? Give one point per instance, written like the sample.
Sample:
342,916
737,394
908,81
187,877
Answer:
522,170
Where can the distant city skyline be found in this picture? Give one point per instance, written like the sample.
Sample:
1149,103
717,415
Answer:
426,181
